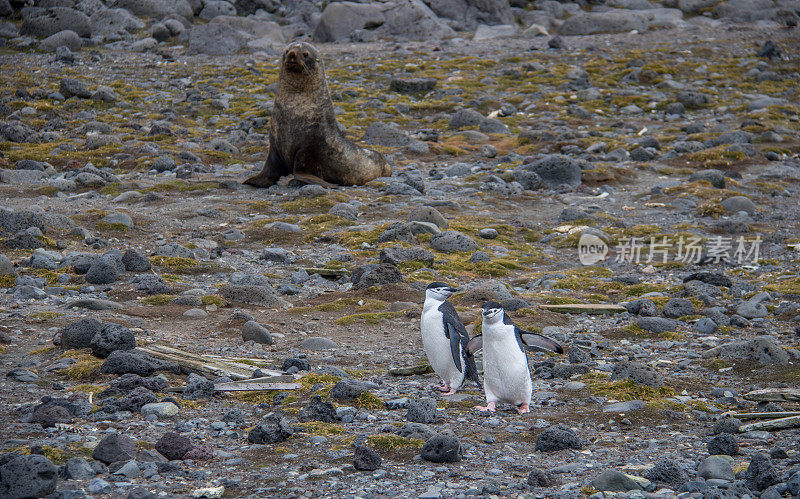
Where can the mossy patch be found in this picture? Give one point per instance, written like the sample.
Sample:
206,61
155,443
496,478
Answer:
368,317
391,442
157,300
788,286
87,366
7,281
174,262
367,400
320,428
624,390
45,316
214,300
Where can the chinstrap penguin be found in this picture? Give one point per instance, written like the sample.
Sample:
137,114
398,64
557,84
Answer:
506,376
445,339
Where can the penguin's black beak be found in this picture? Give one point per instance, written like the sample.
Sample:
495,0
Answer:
452,290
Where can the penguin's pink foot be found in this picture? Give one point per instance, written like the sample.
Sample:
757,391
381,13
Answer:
522,409
488,407
452,391
444,388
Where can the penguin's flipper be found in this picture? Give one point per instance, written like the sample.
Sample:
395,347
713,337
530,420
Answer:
537,342
454,330
455,343
475,344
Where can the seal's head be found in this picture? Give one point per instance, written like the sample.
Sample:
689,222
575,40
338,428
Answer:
300,59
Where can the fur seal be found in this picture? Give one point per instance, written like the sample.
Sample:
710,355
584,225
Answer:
304,137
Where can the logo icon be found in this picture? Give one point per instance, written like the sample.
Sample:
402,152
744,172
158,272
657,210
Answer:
591,249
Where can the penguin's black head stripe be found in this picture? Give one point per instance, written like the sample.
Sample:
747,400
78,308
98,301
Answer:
491,304
437,284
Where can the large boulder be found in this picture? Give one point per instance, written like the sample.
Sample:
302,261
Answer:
114,22
67,38
340,19
28,476
158,9
41,23
556,169
412,20
467,14
621,21
226,35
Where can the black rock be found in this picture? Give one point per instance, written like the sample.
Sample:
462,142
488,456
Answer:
48,415
678,307
77,468
421,410
442,449
556,438
113,448
727,425
715,278
102,271
69,87
198,387
79,334
412,85
112,337
135,261
347,389
140,493
173,445
300,364
27,476
541,478
400,254
272,430
366,459
724,443
639,373
234,416
382,274
318,410
760,474
769,50
136,398
669,472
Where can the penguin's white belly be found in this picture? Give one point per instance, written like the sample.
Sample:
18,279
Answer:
437,348
506,376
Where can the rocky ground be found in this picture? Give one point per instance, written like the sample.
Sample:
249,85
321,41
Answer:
124,226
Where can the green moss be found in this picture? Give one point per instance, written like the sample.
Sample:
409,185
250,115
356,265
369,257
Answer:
388,441
173,262
313,205
710,208
181,186
117,227
368,317
157,300
715,157
624,390
87,367
44,350
320,428
7,281
214,300
88,388
788,286
256,397
45,316
367,400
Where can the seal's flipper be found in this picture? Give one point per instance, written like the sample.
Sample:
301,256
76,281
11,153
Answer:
307,178
274,169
